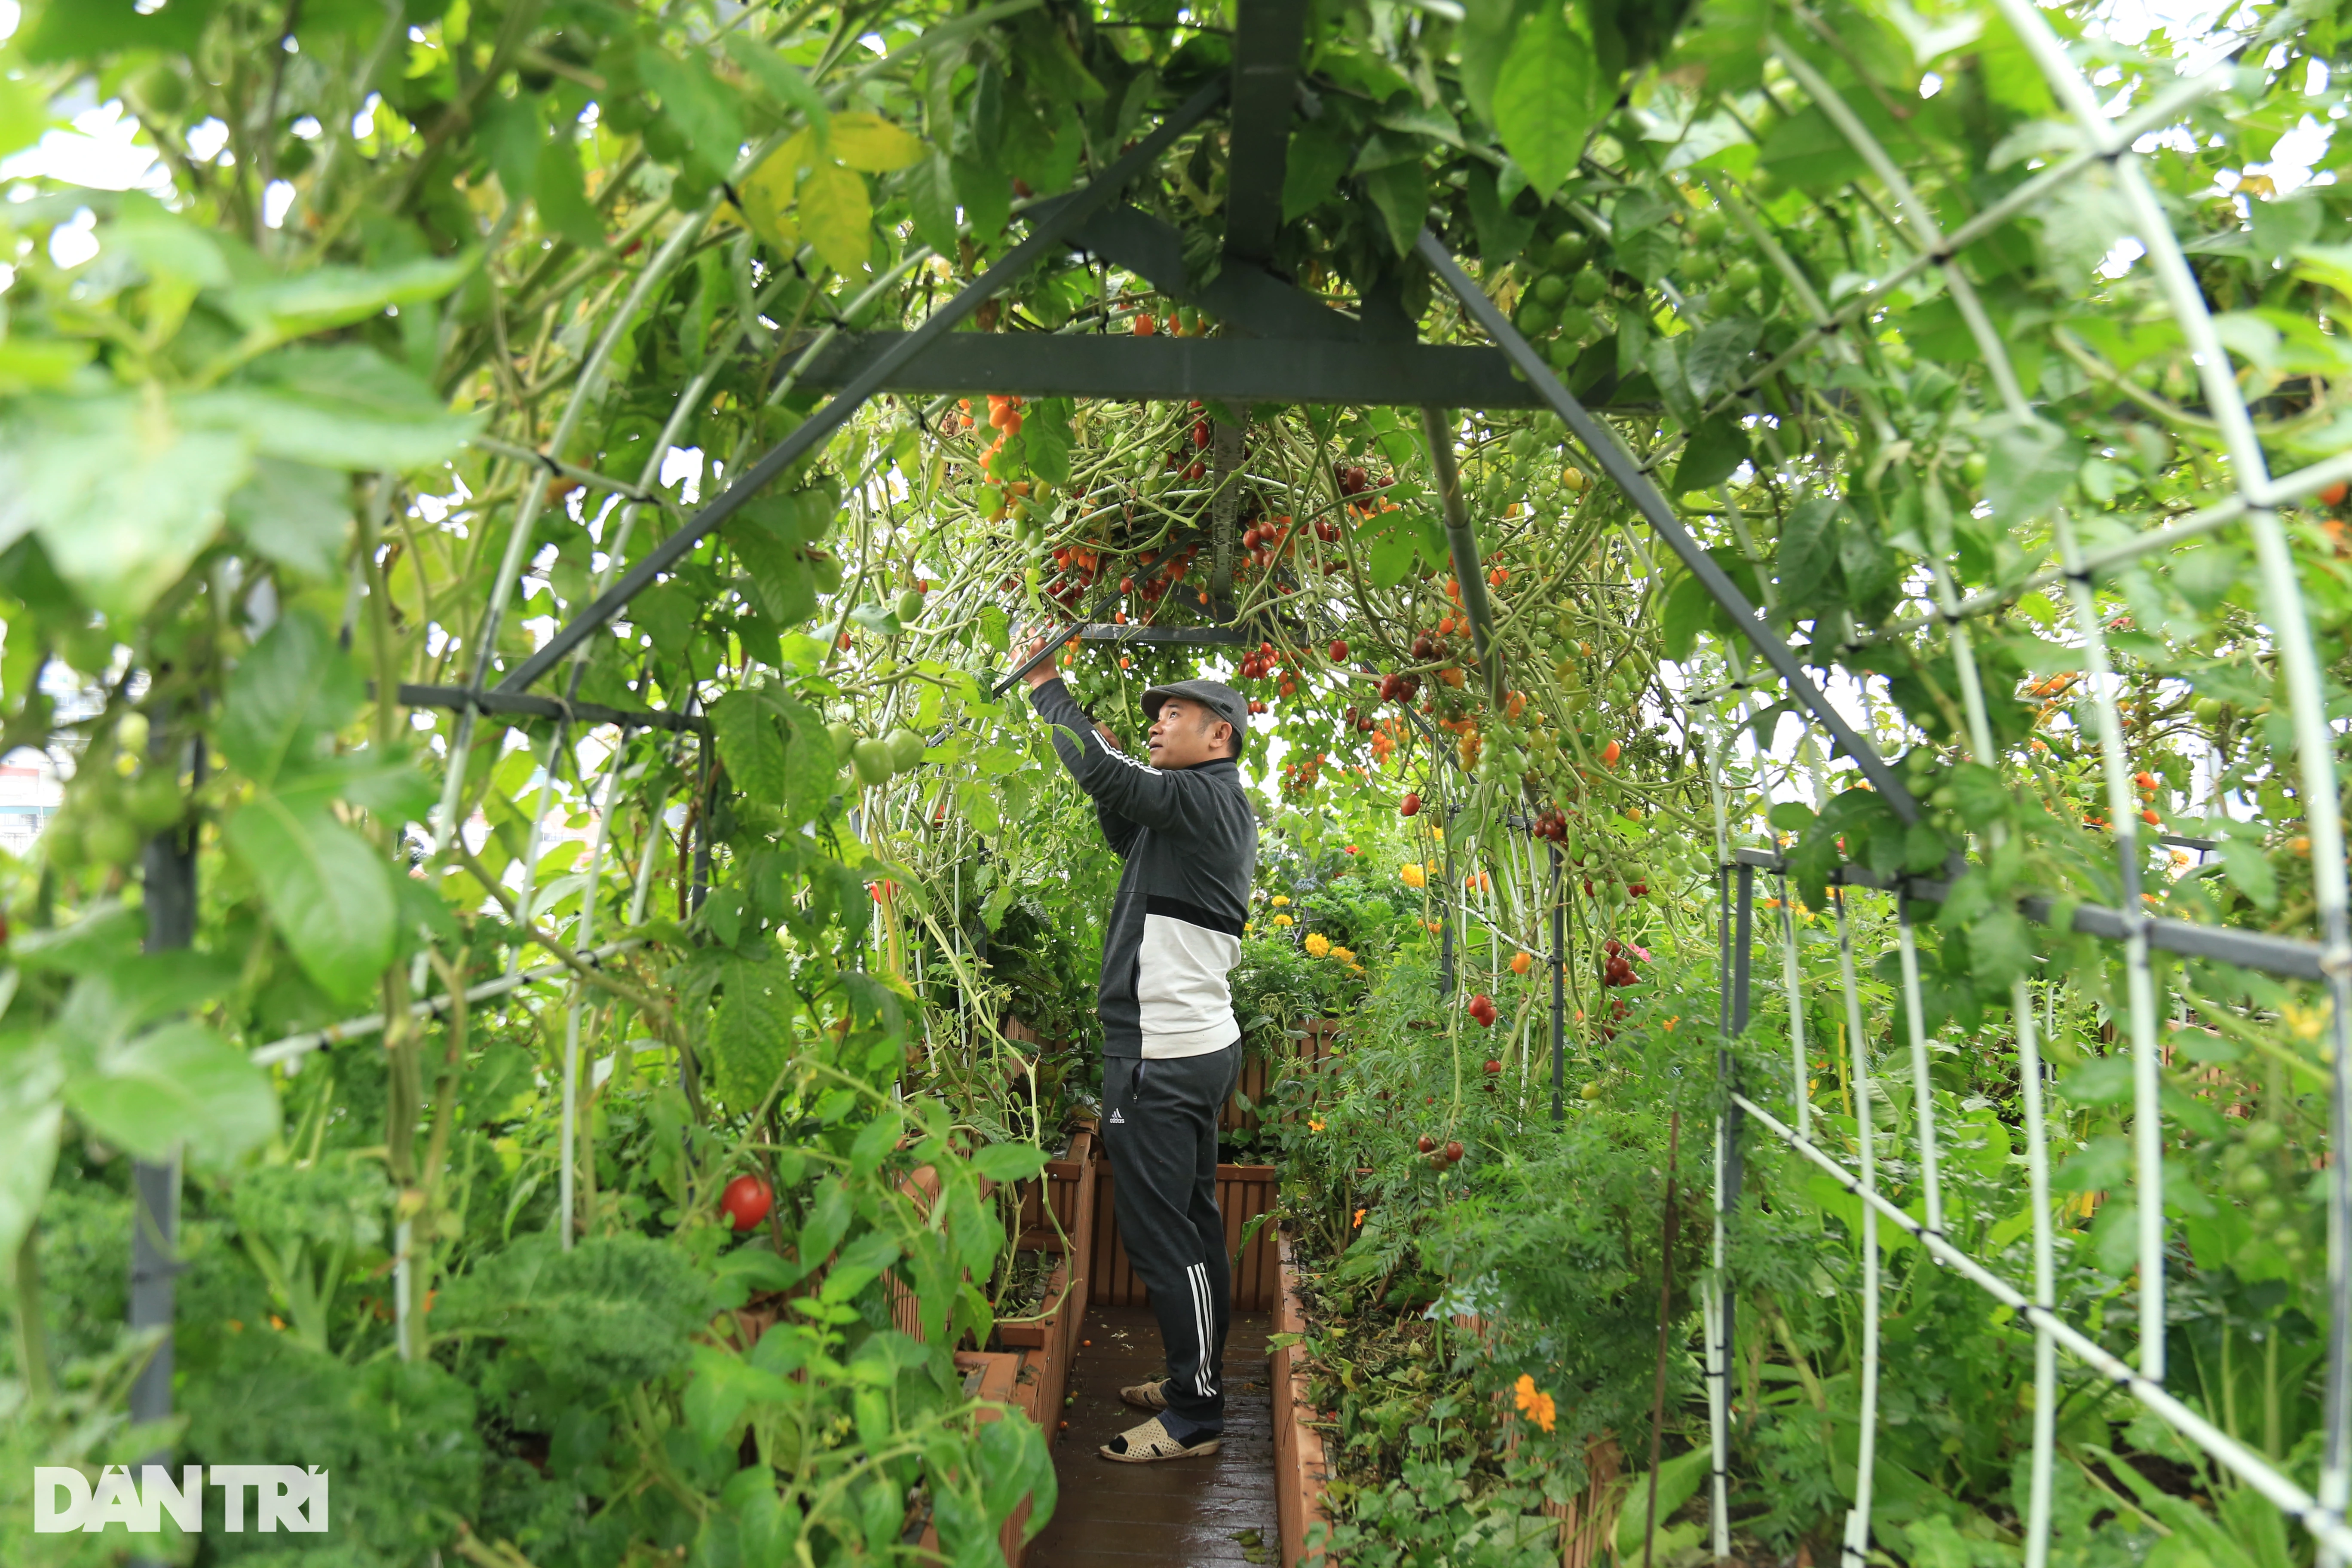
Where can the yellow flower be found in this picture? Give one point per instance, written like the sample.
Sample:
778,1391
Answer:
1318,944
1536,1406
1360,1217
1315,1124
1282,920
1414,877
1343,955
1280,900
1248,930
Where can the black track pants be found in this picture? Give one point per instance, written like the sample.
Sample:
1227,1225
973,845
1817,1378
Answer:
1160,1129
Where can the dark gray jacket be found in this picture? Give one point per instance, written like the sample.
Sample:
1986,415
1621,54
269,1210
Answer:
1190,841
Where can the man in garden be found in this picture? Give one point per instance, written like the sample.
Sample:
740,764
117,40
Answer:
1171,1047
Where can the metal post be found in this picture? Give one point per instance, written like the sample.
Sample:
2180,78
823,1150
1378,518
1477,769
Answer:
1225,510
170,889
1559,987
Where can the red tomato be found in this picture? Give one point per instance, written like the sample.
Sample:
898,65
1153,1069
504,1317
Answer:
1454,1153
2333,495
1410,805
747,1201
1339,651
1610,754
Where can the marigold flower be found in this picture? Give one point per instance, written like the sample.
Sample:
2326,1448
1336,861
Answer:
1315,1124
1343,954
1279,900
1414,877
1536,1406
1317,944
1283,920
1359,1213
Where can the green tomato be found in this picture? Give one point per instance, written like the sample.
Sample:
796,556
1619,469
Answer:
911,608
1576,322
873,761
154,803
162,87
1709,226
843,739
1568,251
1533,319
1590,286
906,750
1742,276
112,840
2265,1137
2251,1181
1551,288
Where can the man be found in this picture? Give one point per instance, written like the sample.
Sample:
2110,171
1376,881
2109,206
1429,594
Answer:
1171,1047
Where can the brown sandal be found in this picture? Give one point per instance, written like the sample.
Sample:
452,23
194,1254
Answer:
1147,1395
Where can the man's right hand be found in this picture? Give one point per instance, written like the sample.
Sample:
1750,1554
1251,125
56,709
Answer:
1043,670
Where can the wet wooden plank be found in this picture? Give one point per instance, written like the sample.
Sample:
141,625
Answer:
1181,1512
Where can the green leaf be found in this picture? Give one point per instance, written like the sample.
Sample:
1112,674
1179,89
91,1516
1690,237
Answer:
180,1084
931,196
2249,869
328,296
779,77
338,405
1548,96
1690,610
1484,37
31,1122
1502,232
1319,153
1717,351
1981,798
1007,1163
1712,455
330,894
836,218
702,106
122,493
291,688
871,144
751,745
295,514
24,115
2029,467
985,194
1391,559
1401,194
561,194
2000,948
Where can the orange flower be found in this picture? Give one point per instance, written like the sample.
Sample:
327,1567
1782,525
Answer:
1360,1217
1536,1407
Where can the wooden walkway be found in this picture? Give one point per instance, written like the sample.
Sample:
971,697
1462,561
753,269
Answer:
1217,1510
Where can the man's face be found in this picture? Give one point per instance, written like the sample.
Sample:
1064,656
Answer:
1186,734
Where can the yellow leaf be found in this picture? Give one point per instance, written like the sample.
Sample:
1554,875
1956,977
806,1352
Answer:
872,143
768,193
836,217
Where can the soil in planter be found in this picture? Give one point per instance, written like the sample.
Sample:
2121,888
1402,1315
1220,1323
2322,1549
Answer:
1024,1297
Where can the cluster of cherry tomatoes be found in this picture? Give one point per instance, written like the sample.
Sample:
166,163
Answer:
1482,1009
1618,968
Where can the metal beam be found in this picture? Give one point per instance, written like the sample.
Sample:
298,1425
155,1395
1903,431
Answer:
1461,543
1267,36
1242,293
1233,370
1659,513
1045,236
517,703
2283,956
